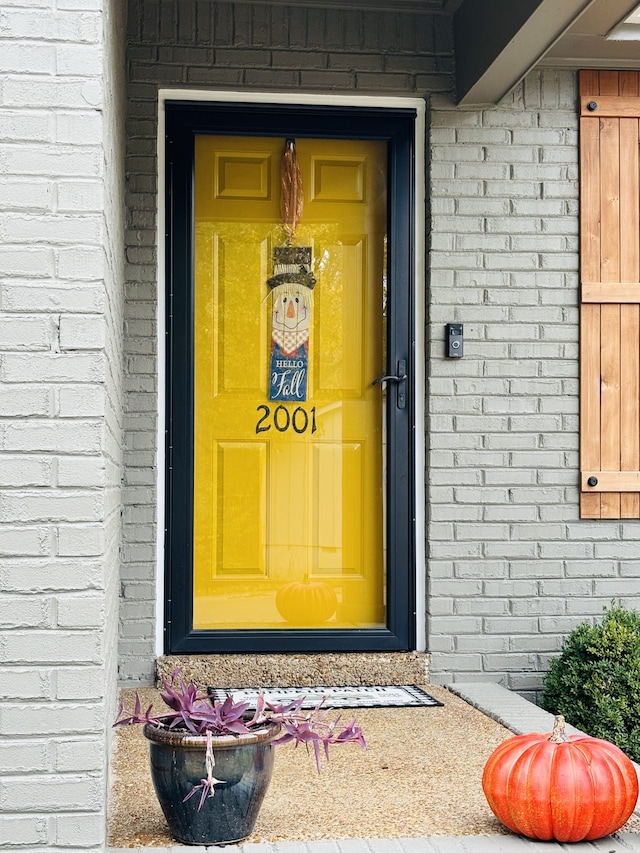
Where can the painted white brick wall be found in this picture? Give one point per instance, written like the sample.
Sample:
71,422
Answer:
512,567
61,329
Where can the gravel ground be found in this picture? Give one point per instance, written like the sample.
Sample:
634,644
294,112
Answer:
419,776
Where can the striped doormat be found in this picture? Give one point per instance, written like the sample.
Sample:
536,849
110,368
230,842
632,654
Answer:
389,696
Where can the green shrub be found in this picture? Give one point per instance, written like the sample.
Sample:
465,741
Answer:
595,683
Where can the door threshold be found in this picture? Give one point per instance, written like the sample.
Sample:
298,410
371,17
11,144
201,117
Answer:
299,670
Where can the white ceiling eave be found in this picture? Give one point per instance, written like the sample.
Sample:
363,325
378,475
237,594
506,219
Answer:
576,51
586,44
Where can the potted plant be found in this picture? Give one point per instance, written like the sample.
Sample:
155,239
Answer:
211,761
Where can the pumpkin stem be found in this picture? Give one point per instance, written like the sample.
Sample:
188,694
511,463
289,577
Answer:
559,735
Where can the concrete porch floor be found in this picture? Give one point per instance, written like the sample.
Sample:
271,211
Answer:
513,712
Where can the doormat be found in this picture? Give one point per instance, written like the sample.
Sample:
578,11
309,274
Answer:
392,696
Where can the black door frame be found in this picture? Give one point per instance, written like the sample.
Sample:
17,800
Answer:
185,119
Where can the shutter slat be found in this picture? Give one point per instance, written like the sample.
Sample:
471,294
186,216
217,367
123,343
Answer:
608,481
610,314
628,84
623,291
610,401
590,502
610,106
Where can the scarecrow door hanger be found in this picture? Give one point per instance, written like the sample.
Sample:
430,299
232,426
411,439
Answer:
292,304
291,286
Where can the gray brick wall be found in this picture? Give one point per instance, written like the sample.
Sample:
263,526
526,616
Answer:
61,402
512,567
226,46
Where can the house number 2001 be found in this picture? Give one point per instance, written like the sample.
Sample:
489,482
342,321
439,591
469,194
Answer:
299,420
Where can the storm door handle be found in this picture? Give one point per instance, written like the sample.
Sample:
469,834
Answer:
399,378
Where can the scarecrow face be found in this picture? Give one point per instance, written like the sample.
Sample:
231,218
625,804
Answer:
291,308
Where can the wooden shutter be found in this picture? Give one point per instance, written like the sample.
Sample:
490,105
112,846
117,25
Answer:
610,294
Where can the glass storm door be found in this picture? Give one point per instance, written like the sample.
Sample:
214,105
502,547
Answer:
283,509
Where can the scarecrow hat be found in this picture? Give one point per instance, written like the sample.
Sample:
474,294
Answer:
292,265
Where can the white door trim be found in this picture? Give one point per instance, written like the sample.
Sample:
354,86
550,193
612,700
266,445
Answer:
419,105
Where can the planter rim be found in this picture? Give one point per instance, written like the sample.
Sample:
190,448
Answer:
186,740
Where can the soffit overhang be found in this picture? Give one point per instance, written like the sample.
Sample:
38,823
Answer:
497,42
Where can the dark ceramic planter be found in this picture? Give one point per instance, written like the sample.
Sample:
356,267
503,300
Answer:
244,763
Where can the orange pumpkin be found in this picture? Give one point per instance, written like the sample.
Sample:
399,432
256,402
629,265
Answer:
306,602
557,787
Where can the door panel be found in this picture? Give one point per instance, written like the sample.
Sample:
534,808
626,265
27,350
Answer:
289,492
289,525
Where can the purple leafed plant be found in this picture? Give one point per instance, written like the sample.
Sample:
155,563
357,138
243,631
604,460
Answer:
193,711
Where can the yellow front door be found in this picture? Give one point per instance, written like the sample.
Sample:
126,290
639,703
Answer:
289,494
